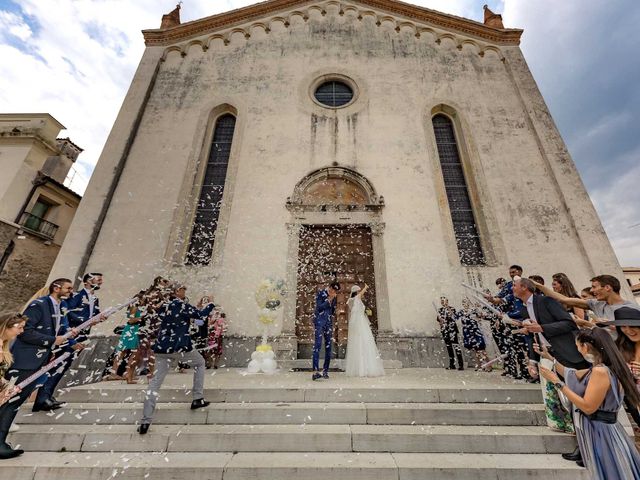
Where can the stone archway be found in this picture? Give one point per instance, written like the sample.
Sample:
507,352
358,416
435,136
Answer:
339,207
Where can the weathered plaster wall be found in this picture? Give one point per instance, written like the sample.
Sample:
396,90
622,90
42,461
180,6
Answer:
512,157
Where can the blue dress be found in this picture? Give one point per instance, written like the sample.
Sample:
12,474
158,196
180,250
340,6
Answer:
607,451
472,337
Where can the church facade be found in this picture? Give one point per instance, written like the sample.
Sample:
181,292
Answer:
363,141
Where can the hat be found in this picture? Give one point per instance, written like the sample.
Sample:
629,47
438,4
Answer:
355,288
625,317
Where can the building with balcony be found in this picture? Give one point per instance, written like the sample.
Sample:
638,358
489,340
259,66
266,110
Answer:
36,208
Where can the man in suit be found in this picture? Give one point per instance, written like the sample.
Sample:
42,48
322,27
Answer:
322,321
84,304
174,343
551,323
31,351
76,309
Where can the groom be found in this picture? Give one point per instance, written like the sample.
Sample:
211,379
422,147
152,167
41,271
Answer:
322,321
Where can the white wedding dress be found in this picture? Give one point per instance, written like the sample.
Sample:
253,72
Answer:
363,358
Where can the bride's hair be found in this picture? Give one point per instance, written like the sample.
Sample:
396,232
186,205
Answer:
353,294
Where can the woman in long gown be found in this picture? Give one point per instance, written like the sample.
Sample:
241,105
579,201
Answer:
597,395
363,358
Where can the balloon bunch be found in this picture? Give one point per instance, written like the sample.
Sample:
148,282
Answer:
268,297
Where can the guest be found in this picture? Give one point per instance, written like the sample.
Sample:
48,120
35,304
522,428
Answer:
597,394
78,308
84,304
449,329
31,350
11,325
472,338
605,289
127,348
174,343
586,294
627,324
155,298
537,278
517,342
555,330
562,285
217,329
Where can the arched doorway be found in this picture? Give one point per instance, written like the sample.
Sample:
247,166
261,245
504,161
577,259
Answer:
336,215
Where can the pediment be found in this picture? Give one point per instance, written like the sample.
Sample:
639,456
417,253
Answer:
398,13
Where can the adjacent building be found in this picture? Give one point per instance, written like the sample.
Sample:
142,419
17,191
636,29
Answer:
36,208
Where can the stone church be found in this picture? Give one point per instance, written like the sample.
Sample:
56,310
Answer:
363,141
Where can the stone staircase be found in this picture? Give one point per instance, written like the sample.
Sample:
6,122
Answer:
411,424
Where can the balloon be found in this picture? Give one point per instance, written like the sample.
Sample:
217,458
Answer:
254,366
269,365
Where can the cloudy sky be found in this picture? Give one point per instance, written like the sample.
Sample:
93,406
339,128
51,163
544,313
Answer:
75,60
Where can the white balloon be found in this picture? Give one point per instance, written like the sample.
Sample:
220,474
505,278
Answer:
254,366
269,354
269,365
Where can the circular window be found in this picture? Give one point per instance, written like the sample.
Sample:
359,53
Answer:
334,93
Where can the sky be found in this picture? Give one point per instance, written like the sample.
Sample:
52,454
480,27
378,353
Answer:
75,59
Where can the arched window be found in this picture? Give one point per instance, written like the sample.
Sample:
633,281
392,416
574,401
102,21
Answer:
208,209
464,225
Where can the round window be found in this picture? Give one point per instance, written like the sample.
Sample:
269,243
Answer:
334,93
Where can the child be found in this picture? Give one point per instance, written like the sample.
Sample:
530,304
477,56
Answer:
217,329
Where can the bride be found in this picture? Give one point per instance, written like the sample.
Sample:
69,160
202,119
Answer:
363,359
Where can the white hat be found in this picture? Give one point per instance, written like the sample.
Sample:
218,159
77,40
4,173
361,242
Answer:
355,288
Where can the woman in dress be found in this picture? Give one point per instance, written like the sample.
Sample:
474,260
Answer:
597,395
472,337
11,325
363,358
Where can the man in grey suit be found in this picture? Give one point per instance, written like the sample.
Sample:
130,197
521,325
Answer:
32,350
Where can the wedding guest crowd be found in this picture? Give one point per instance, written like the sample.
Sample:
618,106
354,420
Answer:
158,329
583,347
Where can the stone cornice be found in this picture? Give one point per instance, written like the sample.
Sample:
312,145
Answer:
169,36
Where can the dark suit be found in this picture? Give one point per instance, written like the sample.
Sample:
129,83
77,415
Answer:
559,329
173,334
79,309
31,351
322,321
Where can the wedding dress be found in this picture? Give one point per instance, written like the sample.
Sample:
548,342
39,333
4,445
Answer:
363,358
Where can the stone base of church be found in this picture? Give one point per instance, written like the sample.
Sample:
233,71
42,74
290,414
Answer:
410,351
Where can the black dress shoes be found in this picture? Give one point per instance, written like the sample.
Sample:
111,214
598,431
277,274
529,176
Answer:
7,452
200,403
143,428
316,376
580,463
46,406
573,456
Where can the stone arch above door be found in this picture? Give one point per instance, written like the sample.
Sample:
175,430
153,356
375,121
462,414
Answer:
335,188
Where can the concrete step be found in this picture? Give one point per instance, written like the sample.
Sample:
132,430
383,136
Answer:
295,413
294,438
339,363
111,392
276,466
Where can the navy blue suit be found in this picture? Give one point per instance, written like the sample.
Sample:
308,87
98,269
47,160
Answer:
322,321
175,320
31,351
79,309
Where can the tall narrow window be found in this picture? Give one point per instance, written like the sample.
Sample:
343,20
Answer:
464,225
208,209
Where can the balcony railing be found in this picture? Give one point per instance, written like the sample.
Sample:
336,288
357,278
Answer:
38,225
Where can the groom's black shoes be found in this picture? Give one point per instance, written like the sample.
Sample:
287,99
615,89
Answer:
325,375
316,376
